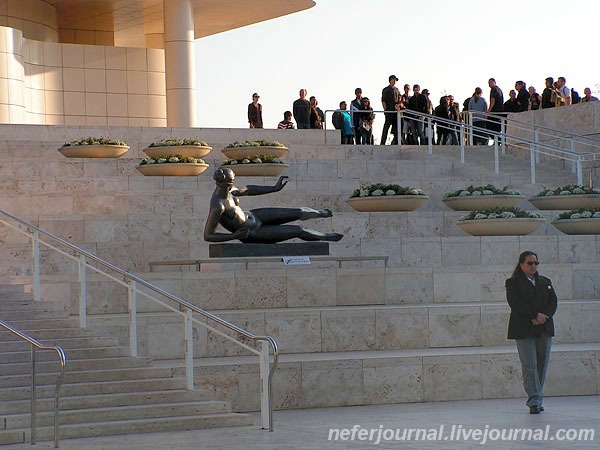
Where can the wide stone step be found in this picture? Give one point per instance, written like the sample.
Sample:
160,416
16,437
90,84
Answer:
94,388
76,365
136,426
107,400
43,334
313,380
396,327
138,373
37,324
71,354
65,344
37,314
92,415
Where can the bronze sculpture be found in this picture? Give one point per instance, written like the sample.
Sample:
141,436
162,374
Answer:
260,225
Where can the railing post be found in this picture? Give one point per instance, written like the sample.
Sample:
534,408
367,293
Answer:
532,157
132,295
37,296
189,349
503,134
496,156
462,138
536,139
429,136
265,398
579,172
33,398
399,119
82,293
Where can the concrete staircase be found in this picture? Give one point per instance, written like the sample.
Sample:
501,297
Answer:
431,326
104,392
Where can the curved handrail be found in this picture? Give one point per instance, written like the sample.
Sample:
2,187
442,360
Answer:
63,362
183,303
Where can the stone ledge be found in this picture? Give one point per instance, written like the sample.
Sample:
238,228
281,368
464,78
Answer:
285,249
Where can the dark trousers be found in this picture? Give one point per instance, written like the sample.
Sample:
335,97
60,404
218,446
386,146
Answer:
347,138
390,121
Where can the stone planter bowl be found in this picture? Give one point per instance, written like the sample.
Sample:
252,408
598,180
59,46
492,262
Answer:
519,226
387,203
472,203
94,151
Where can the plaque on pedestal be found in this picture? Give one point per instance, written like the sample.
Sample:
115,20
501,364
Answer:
281,249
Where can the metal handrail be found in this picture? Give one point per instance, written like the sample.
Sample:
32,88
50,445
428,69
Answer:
467,130
184,308
63,361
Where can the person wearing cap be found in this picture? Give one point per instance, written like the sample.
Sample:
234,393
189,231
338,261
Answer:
479,106
255,112
390,98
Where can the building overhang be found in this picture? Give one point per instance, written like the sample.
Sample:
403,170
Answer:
132,20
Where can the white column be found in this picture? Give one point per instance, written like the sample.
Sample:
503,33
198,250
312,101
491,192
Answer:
179,63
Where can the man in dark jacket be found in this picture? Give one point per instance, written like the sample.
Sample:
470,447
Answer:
301,109
418,104
522,96
390,99
532,302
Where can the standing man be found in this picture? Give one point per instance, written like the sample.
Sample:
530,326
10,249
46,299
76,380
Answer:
390,97
563,91
532,302
496,107
354,107
418,104
255,112
522,96
301,109
548,94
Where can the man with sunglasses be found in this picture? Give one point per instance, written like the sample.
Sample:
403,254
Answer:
532,302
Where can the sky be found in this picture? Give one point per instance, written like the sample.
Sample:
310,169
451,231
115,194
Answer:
448,47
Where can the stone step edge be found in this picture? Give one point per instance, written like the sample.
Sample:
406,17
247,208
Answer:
386,354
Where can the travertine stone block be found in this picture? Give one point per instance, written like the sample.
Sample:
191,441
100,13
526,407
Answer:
451,378
572,372
494,324
260,289
311,288
461,251
501,376
453,286
455,326
251,321
295,331
577,249
348,329
360,287
568,322
402,328
393,380
409,286
421,252
496,250
321,381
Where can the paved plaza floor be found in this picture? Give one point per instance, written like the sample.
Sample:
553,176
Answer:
564,424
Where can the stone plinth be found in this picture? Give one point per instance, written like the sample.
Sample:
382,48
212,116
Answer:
284,249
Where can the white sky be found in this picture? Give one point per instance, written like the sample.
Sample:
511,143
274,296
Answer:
445,46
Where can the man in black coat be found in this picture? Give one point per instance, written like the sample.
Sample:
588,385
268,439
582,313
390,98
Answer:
532,302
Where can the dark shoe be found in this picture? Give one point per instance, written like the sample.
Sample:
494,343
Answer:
535,409
541,408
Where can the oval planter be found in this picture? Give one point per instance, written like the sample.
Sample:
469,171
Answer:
471,203
94,151
578,226
564,202
254,151
387,203
172,169
519,226
193,151
257,170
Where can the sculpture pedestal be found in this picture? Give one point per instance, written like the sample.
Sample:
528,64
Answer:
282,249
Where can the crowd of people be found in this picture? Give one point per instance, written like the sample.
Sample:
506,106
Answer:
356,123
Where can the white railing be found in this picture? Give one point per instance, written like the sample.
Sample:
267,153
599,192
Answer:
536,141
169,301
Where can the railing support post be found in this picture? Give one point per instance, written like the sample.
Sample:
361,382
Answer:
33,398
429,136
189,349
532,158
496,156
132,295
265,394
579,172
82,292
37,296
462,139
399,128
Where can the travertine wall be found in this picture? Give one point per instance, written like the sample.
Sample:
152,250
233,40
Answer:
75,84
